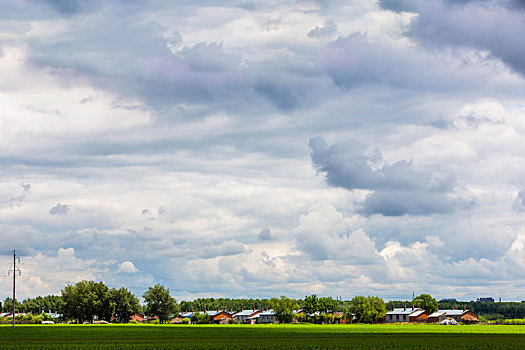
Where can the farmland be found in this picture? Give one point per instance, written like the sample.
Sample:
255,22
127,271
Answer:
262,337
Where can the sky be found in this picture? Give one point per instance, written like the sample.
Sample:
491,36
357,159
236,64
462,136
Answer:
264,148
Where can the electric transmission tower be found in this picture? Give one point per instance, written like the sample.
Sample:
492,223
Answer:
14,270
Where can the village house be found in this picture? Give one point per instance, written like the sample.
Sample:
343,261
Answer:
418,316
268,316
138,318
403,314
244,315
464,315
219,316
187,314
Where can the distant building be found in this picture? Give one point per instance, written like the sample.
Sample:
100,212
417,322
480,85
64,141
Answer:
418,316
220,316
464,315
485,300
268,316
245,316
138,318
403,314
187,314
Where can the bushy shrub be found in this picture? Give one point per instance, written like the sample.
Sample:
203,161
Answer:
27,319
328,318
199,318
513,322
301,317
185,321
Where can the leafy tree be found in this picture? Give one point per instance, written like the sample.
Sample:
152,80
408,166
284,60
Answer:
301,317
426,302
359,305
328,318
311,304
327,304
368,310
86,300
284,308
376,311
159,302
8,305
124,304
42,304
199,318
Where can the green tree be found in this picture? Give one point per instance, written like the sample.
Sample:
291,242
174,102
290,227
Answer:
311,304
124,304
86,300
426,302
284,308
159,303
42,304
376,310
199,318
327,304
368,310
358,306
8,305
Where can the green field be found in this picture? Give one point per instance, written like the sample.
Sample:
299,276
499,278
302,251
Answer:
262,337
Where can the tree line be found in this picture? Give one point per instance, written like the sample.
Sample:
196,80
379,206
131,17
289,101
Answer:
89,300
49,303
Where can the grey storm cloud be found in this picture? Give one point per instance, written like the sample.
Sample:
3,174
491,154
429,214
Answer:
198,58
329,29
226,248
399,5
145,59
69,8
398,187
60,209
481,25
353,62
264,235
66,6
413,5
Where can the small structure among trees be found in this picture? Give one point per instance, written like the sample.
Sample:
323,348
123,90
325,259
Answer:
405,314
465,316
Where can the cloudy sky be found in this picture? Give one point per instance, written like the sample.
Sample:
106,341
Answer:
261,148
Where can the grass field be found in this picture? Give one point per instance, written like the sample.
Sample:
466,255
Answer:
262,337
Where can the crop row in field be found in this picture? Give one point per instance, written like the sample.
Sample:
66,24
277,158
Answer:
263,337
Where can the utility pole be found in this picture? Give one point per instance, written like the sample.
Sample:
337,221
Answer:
14,271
